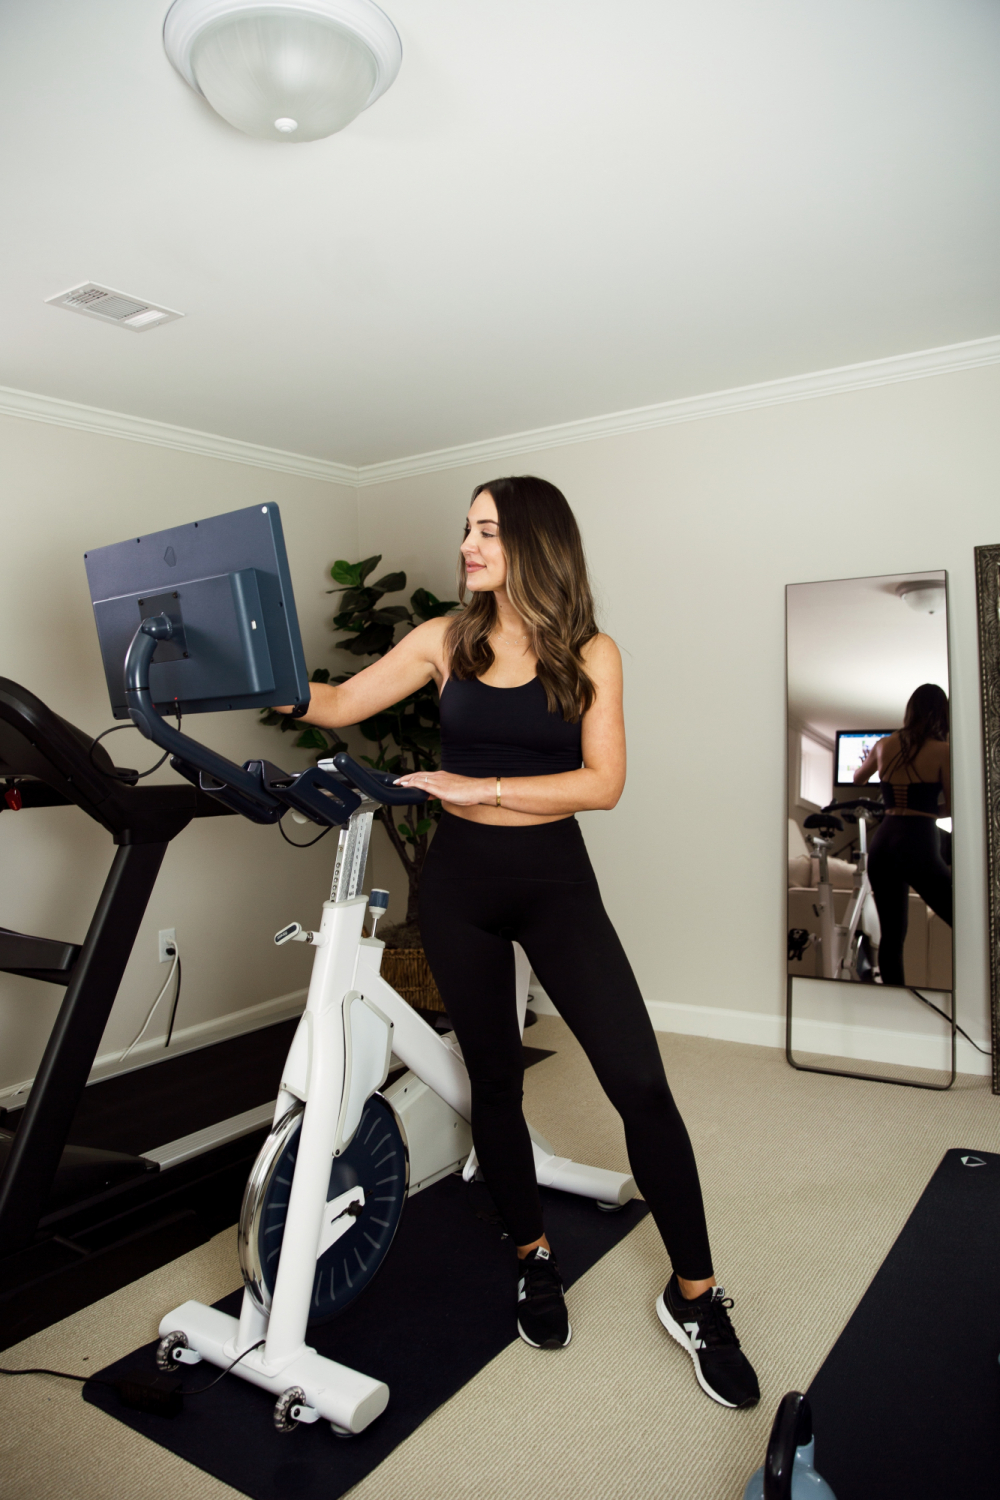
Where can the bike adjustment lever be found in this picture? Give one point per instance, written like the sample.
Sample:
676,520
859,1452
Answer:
295,933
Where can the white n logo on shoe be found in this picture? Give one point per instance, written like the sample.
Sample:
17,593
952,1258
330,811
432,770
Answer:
691,1329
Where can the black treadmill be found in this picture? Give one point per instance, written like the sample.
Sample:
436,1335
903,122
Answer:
88,1200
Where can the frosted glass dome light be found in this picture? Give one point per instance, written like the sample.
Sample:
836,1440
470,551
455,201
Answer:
925,596
284,70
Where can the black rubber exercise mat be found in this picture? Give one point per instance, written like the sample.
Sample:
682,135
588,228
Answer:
440,1308
907,1403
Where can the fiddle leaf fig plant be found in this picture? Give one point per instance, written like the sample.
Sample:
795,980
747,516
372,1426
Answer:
406,736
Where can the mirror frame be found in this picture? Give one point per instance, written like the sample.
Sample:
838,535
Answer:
988,604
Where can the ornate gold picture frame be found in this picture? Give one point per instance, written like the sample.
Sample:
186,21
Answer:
988,600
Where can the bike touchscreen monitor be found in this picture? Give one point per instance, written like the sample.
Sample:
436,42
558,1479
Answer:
853,746
225,586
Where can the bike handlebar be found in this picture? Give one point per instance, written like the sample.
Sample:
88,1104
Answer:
379,785
258,790
856,805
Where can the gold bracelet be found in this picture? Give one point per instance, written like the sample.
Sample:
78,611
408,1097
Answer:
498,791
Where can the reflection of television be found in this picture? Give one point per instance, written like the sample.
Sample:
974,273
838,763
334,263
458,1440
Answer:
853,746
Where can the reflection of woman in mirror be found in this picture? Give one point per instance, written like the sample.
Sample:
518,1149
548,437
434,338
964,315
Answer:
914,770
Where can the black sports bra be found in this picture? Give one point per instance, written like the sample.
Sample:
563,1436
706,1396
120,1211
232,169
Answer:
489,731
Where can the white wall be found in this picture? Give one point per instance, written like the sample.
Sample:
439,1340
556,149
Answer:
226,886
692,532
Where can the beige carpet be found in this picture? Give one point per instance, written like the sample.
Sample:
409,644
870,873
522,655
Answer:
808,1180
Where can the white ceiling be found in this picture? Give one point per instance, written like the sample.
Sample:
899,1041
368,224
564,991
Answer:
561,208
856,652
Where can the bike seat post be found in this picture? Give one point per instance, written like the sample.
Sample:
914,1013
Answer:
352,853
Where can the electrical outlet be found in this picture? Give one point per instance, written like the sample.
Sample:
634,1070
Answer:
167,939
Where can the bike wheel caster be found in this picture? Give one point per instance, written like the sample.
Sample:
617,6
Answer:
341,1432
609,1208
282,1416
165,1359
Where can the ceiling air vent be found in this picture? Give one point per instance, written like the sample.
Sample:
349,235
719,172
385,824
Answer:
113,307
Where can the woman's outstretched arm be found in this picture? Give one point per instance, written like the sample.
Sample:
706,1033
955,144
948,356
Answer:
416,660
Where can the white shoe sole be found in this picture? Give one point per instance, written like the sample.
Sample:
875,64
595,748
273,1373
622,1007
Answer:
569,1335
675,1330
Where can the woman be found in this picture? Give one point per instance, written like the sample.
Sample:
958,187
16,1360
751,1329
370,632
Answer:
914,771
532,733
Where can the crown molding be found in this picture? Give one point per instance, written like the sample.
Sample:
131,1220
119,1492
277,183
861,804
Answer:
163,435
946,360
943,361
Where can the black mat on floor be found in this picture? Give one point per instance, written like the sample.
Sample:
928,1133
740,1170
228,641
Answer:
907,1402
441,1308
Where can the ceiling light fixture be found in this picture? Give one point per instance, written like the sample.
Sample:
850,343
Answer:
925,595
284,70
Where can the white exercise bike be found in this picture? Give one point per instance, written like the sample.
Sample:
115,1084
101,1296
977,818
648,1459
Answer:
217,630
848,950
325,1196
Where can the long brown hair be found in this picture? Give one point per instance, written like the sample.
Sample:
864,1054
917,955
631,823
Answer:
926,718
547,584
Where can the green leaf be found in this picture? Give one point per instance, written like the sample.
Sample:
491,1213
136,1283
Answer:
311,739
427,739
378,727
366,567
391,614
373,640
391,583
405,830
421,602
346,574
424,826
321,674
427,606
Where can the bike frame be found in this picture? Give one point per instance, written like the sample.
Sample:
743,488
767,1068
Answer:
352,1024
837,941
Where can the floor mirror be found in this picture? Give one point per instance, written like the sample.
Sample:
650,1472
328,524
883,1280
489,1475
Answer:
869,900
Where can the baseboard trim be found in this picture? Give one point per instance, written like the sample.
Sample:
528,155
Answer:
826,1038
185,1039
875,1044
878,1044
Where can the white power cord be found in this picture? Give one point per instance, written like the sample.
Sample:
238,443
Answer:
174,969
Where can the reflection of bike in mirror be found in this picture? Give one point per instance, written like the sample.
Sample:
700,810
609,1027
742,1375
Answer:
848,950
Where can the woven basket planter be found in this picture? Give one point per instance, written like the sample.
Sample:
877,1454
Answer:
409,973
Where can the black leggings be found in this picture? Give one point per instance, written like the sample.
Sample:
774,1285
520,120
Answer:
905,852
485,887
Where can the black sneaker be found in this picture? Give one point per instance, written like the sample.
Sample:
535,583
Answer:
541,1311
703,1328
